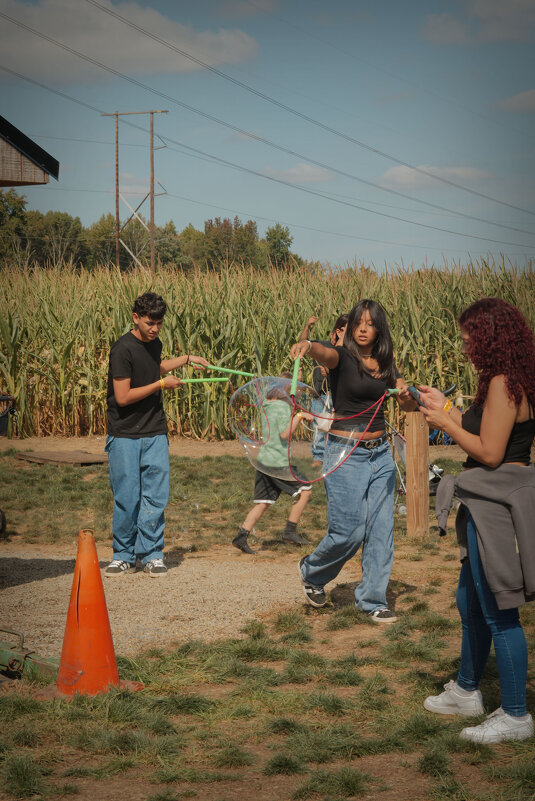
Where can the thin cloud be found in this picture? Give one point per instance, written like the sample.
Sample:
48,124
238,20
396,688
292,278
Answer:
408,178
300,174
482,21
524,102
106,39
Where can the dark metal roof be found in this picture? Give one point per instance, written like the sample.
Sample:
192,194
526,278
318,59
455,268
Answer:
28,148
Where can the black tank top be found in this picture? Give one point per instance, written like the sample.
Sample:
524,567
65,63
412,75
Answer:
518,447
354,393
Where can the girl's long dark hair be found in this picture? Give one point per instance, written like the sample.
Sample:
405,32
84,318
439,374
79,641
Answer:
501,343
383,349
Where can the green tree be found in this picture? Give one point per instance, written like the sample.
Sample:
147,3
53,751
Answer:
12,226
100,238
279,241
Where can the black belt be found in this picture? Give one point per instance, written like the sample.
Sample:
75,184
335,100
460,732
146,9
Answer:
369,444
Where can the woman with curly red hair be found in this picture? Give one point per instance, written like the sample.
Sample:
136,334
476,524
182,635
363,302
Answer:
495,520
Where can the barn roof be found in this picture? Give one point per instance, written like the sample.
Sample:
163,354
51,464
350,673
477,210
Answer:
28,148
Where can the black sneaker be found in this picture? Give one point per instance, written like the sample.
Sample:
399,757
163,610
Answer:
314,595
294,538
117,567
155,568
382,615
240,541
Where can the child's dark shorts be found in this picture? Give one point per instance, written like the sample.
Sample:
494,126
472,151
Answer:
267,488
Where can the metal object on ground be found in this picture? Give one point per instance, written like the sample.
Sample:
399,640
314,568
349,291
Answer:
17,661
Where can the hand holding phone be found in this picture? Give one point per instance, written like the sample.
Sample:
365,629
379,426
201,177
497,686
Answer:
413,392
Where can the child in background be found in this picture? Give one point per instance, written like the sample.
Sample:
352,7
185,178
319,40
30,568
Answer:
274,457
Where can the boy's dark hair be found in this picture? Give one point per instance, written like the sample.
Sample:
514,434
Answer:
150,305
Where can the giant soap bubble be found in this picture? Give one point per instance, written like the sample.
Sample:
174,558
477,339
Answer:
262,412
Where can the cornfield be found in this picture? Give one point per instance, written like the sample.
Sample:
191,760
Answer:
57,326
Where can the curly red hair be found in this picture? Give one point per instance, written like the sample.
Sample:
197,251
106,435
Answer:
501,343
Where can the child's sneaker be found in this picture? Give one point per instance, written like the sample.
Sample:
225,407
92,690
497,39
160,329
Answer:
455,701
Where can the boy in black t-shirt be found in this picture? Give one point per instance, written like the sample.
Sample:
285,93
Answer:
137,443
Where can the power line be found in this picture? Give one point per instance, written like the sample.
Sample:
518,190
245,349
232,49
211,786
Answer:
299,114
227,163
288,151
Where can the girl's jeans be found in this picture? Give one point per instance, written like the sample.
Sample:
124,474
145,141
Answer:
360,499
483,622
139,479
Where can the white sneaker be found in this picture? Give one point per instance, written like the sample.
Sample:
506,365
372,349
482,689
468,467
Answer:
499,726
454,702
117,567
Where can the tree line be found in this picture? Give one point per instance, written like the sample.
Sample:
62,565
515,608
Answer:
29,238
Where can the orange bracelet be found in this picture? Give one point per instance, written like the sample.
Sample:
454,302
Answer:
162,383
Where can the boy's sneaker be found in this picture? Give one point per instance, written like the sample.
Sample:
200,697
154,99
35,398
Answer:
117,567
454,701
314,595
382,615
499,726
155,568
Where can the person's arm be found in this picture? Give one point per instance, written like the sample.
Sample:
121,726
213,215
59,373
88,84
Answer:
497,421
197,362
125,395
315,350
308,325
293,424
435,399
404,399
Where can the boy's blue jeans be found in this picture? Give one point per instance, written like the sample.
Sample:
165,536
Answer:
483,623
139,479
360,499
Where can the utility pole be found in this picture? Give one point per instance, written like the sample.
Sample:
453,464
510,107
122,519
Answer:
118,114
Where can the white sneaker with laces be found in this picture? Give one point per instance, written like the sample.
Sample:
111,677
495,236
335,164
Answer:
118,567
499,726
453,701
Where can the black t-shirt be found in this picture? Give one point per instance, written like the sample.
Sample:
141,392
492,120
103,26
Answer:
354,392
140,362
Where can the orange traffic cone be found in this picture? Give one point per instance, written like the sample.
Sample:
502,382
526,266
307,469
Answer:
88,665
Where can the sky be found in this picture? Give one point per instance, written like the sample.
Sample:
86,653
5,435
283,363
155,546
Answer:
382,133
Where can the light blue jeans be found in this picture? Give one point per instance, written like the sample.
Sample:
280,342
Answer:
139,479
360,501
318,438
483,623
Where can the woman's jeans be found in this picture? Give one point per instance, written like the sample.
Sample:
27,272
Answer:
139,479
483,622
360,500
318,437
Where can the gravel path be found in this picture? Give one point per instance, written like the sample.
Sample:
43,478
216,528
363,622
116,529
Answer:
204,596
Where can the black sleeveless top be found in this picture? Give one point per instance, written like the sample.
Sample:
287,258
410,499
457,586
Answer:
354,392
518,447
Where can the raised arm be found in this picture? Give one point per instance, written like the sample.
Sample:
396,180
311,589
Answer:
305,333
326,356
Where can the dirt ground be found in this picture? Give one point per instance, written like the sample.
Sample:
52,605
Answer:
35,579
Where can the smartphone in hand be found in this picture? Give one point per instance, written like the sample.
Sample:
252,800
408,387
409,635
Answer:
413,392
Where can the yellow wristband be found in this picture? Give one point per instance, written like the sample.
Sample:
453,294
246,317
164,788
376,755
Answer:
162,383
298,416
447,406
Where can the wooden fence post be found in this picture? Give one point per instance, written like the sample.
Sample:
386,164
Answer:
417,475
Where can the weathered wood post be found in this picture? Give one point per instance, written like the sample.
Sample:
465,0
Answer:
417,476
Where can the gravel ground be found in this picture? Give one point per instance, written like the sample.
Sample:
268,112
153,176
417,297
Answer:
204,596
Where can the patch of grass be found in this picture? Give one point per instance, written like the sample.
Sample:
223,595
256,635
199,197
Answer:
22,776
344,618
434,762
231,756
284,726
328,703
324,745
183,704
283,764
109,768
343,783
